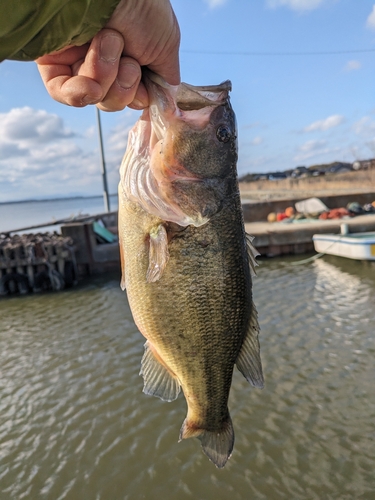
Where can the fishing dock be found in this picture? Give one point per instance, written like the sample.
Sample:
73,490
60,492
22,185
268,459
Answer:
283,238
89,244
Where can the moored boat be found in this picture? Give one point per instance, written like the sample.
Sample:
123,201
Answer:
360,246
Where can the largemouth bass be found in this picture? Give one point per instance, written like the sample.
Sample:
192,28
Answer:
186,260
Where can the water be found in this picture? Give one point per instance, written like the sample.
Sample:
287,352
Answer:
28,213
74,423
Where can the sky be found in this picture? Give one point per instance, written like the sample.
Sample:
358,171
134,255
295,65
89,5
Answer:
303,78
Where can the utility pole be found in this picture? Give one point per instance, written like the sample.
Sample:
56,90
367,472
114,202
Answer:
103,169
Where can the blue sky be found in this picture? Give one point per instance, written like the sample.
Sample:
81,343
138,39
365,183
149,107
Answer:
303,74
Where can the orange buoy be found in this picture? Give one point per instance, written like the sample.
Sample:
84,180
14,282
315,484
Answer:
289,212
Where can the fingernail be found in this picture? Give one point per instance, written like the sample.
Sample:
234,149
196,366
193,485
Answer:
88,100
110,48
139,104
128,76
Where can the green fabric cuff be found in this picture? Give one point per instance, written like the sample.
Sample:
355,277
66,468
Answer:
31,29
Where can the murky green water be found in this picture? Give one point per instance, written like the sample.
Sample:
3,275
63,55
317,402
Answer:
74,423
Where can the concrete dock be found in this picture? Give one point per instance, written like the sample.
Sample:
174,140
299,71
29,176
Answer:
94,255
271,239
282,238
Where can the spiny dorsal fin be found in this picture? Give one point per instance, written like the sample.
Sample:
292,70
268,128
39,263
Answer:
248,360
252,253
158,381
158,254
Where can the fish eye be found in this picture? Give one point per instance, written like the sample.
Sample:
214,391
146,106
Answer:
223,133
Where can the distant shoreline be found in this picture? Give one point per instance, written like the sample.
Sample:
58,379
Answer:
43,200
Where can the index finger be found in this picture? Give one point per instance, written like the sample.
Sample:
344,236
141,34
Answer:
58,74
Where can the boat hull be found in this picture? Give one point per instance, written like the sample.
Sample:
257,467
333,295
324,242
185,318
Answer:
359,246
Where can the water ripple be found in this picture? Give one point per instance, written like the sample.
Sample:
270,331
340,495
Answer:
74,422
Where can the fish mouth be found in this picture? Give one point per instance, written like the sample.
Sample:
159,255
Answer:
171,108
184,103
185,96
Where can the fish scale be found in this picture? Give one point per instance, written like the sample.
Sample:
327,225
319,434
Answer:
186,259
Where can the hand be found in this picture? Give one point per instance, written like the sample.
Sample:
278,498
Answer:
107,71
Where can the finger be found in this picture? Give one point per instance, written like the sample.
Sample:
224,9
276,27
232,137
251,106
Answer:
169,69
66,56
125,89
102,61
57,72
78,76
167,64
141,99
77,91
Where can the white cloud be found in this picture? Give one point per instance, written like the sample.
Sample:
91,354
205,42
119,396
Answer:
91,132
311,149
41,157
256,141
370,23
327,123
312,146
248,163
26,125
352,65
215,3
364,127
298,5
116,144
371,146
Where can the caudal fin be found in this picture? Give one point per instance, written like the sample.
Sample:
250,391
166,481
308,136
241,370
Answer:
217,445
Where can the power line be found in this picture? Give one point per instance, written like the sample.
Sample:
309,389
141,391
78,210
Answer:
307,53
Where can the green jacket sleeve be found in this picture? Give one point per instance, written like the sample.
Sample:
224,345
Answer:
32,28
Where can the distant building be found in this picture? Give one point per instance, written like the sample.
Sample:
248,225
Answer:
363,164
300,172
340,168
276,176
261,177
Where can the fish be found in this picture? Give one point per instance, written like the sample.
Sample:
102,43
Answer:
187,263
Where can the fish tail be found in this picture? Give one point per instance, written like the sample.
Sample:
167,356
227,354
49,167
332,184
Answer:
217,445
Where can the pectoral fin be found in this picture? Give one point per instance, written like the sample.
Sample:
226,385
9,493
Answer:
158,254
158,380
248,360
122,260
252,253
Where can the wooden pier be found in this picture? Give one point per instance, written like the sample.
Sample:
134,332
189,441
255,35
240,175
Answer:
36,262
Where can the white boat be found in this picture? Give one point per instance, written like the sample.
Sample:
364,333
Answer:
360,246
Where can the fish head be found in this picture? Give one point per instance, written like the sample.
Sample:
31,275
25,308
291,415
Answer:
192,148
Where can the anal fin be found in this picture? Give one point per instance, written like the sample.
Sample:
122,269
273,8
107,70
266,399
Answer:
158,380
158,254
248,360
